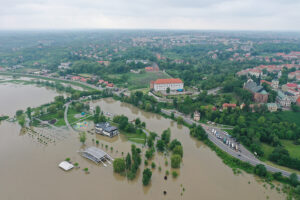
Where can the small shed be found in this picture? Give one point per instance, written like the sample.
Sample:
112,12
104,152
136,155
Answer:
65,165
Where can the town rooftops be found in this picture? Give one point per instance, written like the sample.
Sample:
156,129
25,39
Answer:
298,100
292,85
252,86
229,105
167,81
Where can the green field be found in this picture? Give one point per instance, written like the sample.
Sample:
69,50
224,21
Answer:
50,116
294,150
142,80
135,137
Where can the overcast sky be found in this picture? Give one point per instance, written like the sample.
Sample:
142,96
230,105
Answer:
151,14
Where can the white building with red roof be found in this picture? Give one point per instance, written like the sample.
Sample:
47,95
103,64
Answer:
163,84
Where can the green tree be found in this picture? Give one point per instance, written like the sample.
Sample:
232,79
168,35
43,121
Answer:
146,176
175,161
82,137
260,170
137,121
128,161
294,179
60,114
166,135
19,113
119,165
180,120
28,112
160,145
168,90
178,150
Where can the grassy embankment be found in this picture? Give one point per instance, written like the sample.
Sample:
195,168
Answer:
141,80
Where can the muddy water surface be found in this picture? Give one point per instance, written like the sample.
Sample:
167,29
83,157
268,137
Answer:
28,169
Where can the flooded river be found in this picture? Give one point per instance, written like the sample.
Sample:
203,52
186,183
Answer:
29,170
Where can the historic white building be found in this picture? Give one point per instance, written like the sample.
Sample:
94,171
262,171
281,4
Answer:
163,84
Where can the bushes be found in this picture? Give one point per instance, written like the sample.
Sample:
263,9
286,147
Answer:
175,161
146,176
119,165
260,170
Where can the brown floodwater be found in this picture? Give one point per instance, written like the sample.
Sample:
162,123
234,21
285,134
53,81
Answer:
29,170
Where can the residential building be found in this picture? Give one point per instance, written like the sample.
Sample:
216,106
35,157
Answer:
283,100
289,86
197,116
298,101
266,82
163,84
259,94
272,107
104,128
229,105
255,72
294,75
275,84
64,66
105,63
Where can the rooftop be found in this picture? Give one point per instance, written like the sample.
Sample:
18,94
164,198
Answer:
167,81
65,165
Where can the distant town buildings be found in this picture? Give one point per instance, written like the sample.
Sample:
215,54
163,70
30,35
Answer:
272,107
259,94
105,63
283,100
163,84
197,116
64,66
228,105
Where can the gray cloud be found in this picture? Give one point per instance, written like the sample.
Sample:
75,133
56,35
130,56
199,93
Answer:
175,14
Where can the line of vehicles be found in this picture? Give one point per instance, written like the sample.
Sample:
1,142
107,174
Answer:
226,139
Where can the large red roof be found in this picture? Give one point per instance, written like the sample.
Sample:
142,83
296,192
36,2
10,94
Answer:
291,84
298,100
168,81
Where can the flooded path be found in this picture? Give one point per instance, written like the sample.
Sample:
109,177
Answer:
29,170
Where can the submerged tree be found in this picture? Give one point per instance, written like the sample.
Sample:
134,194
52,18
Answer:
82,137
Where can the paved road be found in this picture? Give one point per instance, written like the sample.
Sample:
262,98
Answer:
244,155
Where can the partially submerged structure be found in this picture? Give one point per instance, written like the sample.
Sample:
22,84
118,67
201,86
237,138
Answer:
66,165
96,155
106,129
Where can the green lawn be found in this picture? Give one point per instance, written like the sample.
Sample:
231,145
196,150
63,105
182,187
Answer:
294,150
137,81
59,120
134,137
267,149
71,115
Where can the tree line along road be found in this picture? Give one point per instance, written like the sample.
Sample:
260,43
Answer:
243,154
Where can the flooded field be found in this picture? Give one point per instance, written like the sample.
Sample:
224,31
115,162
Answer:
29,170
17,96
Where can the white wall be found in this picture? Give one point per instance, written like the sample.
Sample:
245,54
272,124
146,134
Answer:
172,86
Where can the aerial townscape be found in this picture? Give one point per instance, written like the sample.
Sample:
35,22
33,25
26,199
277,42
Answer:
124,111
